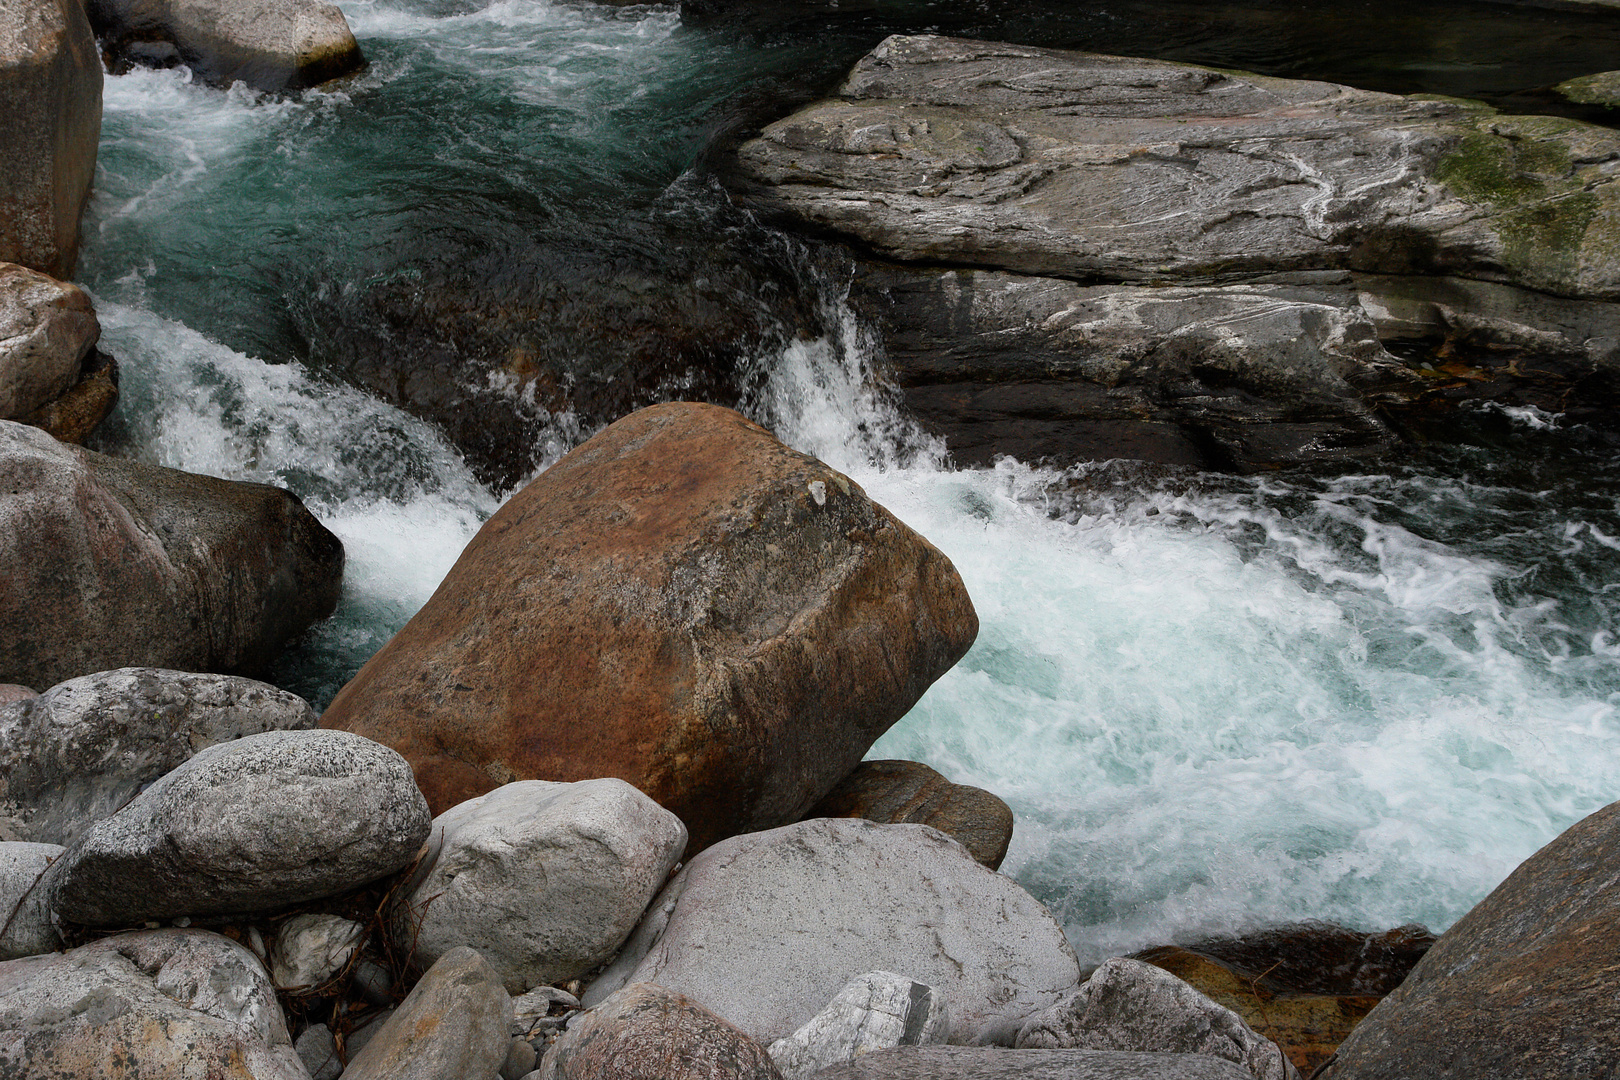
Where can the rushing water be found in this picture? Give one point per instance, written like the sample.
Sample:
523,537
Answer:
1214,703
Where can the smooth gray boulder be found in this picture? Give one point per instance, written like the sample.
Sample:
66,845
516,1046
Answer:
1103,168
764,928
876,1011
113,563
169,1003
273,45
249,826
311,948
453,1026
1129,1005
995,1063
47,328
78,752
29,930
545,880
317,1049
649,1032
1521,986
50,124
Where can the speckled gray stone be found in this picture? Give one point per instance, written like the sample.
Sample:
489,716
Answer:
24,900
264,822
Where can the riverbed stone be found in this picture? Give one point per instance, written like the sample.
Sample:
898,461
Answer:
1065,164
178,1003
272,45
910,793
1523,985
119,563
684,603
264,822
996,1063
545,880
649,1032
74,417
311,948
764,928
452,1026
1602,88
47,328
1130,1005
80,751
875,1011
50,124
30,930
10,692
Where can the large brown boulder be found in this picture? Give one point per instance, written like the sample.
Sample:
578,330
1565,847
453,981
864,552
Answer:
107,563
682,602
50,123
1522,986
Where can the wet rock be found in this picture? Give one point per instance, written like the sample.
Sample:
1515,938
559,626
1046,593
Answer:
50,124
1091,167
74,416
762,928
312,948
272,45
78,752
1321,958
453,1025
910,793
648,1032
1129,1005
29,930
263,822
684,603
1602,88
875,1011
544,880
121,563
1523,985
158,1003
995,1063
47,329
1242,376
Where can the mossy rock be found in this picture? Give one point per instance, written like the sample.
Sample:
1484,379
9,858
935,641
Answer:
1600,89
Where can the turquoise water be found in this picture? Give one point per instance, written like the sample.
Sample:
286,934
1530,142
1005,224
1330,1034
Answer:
1214,703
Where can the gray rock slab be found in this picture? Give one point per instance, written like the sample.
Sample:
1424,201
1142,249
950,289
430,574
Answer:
47,328
24,902
50,124
1129,1005
765,928
453,1026
545,880
993,1063
260,823
1522,986
78,752
876,1011
116,563
311,948
171,1003
940,150
272,45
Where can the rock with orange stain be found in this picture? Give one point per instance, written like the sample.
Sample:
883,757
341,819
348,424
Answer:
454,1026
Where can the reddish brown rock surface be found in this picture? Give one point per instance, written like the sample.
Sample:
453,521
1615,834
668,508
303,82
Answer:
645,1032
684,603
910,793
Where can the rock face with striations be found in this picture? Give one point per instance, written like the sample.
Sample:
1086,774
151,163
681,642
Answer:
1521,986
50,124
271,45
764,928
264,822
78,752
683,603
111,563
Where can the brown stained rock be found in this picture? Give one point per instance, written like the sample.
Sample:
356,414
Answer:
454,1026
106,563
910,793
645,1032
684,603
50,124
72,417
1522,986
47,333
